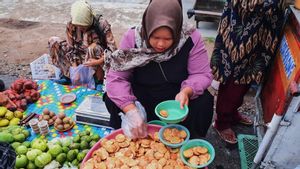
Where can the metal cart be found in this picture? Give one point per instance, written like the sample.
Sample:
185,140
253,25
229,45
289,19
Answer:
207,10
277,121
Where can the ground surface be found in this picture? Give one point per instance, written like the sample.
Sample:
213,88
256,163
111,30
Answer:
25,27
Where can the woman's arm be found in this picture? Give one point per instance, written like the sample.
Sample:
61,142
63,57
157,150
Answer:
109,37
118,83
200,76
96,47
119,89
94,62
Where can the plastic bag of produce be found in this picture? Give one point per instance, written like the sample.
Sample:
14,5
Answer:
7,156
69,166
82,76
66,141
53,165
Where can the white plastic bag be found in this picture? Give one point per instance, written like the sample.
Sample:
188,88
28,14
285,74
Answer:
53,165
68,165
82,76
128,119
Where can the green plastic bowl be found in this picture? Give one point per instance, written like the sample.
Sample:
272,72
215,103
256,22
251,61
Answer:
157,122
177,126
175,113
197,142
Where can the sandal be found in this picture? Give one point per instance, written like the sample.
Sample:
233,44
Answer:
227,135
243,119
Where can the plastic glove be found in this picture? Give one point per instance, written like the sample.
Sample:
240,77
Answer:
142,110
134,122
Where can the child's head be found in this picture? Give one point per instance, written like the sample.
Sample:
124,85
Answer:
162,24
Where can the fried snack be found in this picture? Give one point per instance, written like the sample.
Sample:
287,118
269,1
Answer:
188,153
197,155
164,113
174,136
148,153
120,138
182,134
202,150
194,160
203,159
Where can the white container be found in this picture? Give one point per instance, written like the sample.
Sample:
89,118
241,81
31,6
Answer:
44,128
42,69
33,123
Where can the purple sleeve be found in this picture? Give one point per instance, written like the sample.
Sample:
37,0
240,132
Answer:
200,76
117,83
128,40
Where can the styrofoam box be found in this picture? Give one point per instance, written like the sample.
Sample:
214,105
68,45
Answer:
40,68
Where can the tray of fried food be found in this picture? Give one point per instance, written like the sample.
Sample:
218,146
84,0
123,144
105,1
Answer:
123,152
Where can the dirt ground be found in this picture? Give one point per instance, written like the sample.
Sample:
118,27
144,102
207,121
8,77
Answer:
21,42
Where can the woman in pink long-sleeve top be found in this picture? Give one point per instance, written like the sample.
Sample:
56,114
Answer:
160,60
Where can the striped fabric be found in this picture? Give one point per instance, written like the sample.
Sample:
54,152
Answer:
7,156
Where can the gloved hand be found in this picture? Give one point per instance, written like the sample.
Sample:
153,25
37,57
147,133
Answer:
134,122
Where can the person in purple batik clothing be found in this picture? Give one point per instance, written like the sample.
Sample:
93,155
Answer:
162,59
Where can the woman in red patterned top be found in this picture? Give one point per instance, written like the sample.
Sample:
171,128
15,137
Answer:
88,35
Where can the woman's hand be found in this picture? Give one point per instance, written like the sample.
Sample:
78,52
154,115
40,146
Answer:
93,62
184,96
135,126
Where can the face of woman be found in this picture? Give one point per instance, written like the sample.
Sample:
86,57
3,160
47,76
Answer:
161,39
82,28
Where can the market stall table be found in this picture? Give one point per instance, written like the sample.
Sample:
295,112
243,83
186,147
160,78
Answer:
50,95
